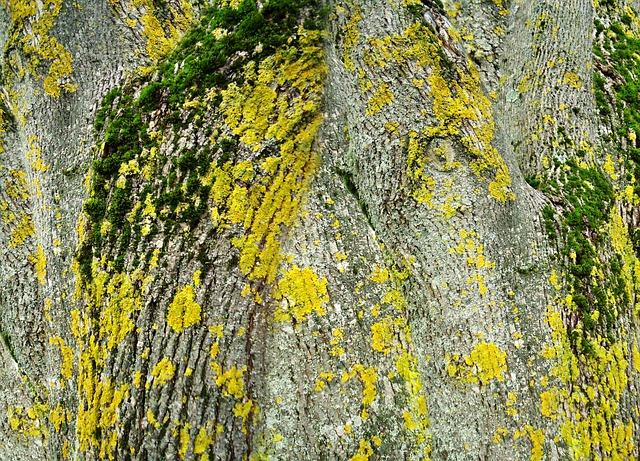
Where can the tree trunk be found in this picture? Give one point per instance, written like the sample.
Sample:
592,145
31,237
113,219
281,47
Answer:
302,230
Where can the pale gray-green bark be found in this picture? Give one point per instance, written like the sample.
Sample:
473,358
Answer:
428,301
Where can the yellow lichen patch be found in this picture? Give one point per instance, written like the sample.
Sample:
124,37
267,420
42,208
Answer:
391,335
351,36
163,36
549,403
34,156
110,300
100,416
609,168
325,377
279,101
499,434
185,438
486,362
573,80
302,292
416,420
621,241
204,440
511,405
163,371
251,114
554,280
364,452
40,261
17,187
57,417
243,409
31,24
337,350
460,107
380,98
386,335
368,377
152,419
183,311
230,381
473,250
67,356
29,423
122,300
231,3
537,439
380,274
22,231
603,431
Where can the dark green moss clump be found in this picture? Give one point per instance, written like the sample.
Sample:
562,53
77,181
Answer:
593,270
588,198
203,57
211,55
619,104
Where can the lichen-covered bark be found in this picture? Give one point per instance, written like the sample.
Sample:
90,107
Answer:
319,230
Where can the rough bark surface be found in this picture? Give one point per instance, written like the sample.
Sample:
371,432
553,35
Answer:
301,230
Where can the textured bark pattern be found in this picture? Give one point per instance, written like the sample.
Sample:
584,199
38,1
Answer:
447,272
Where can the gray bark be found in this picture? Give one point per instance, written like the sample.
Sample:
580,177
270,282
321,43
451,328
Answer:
431,339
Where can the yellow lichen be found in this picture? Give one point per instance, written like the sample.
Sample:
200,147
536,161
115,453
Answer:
537,439
385,334
163,36
183,311
460,107
203,441
22,232
67,356
573,80
380,98
40,261
102,414
607,372
29,422
302,292
57,416
554,280
163,371
259,110
230,381
351,36
32,23
549,403
486,362
368,377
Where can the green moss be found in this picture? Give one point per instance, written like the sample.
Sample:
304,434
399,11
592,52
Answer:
95,209
106,104
203,52
589,197
548,214
533,181
189,81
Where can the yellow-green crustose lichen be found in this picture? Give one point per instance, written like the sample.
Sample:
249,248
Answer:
31,22
461,109
291,115
269,103
161,29
484,363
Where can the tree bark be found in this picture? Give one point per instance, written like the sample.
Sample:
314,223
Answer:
282,230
